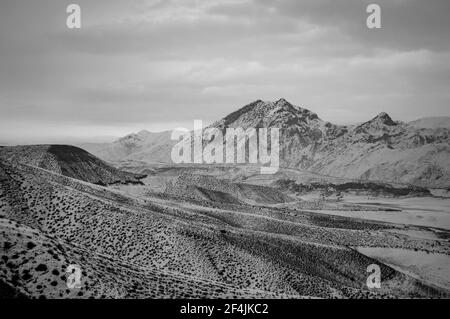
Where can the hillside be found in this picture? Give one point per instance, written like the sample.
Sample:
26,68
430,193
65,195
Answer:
69,161
380,149
141,146
129,247
209,188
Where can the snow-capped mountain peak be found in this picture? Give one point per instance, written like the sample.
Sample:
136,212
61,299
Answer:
379,149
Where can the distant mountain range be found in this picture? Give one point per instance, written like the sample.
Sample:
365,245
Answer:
379,149
142,146
432,122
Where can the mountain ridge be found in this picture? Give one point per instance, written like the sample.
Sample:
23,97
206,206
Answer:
378,149
69,161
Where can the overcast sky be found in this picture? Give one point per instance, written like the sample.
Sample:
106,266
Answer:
160,64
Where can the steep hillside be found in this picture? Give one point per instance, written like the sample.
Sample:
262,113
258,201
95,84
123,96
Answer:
141,146
384,150
126,247
70,161
380,149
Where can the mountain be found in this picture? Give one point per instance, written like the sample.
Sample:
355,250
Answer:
69,161
380,149
432,122
142,146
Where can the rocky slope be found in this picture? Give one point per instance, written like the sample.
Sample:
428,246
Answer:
380,149
128,247
69,161
141,146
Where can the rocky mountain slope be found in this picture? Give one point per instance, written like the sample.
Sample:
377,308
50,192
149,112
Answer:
141,146
70,161
380,149
129,247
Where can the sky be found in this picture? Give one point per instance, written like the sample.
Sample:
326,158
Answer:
160,64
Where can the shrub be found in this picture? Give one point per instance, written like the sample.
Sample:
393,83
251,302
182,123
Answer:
41,267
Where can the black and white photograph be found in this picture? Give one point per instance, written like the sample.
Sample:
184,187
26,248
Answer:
225,150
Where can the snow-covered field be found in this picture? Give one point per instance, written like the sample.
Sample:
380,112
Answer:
416,211
430,267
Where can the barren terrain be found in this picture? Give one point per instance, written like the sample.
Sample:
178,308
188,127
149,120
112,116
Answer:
186,233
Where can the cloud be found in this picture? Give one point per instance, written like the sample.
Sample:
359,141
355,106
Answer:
152,62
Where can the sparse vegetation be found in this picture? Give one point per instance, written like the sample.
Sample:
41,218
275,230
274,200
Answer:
173,247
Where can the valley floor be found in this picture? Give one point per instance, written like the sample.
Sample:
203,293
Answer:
414,211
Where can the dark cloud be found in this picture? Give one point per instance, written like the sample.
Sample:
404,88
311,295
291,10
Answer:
406,24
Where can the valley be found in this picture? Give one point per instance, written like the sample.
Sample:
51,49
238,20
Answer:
138,226
140,241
